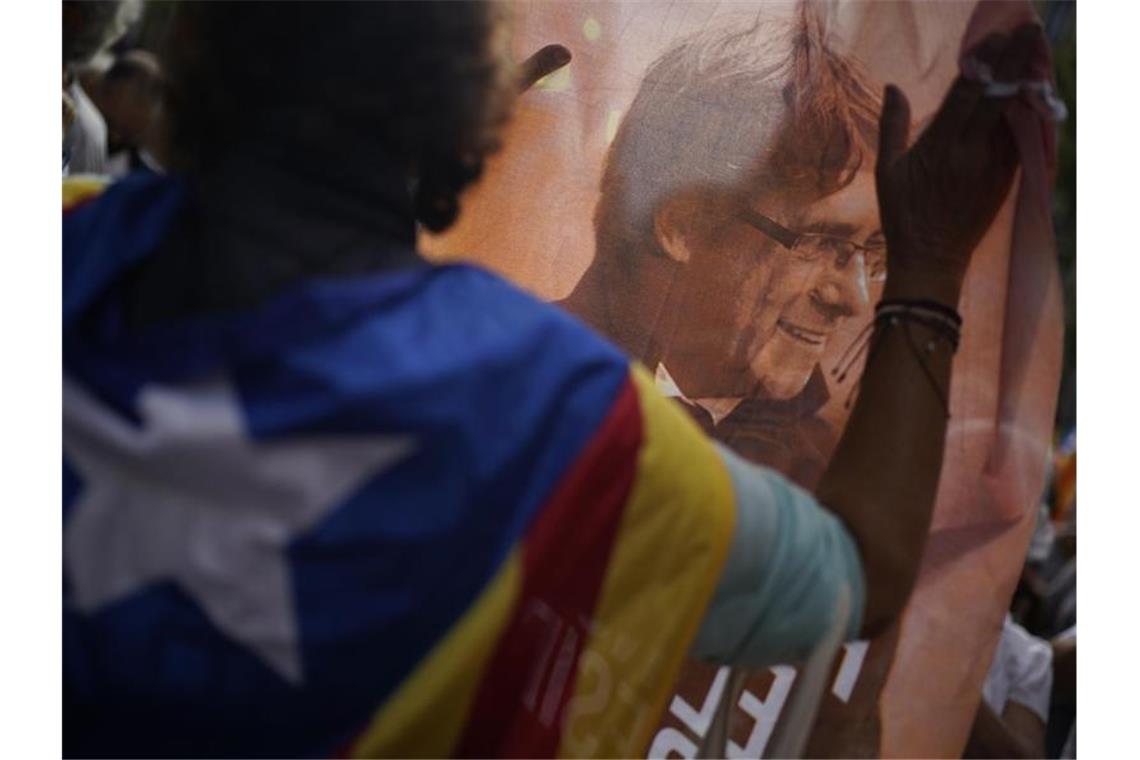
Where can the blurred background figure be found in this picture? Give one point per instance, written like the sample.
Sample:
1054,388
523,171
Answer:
89,28
129,96
1029,700
1011,718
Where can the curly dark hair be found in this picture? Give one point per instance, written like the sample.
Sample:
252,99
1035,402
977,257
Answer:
424,81
741,108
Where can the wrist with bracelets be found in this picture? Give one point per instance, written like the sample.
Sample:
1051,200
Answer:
941,320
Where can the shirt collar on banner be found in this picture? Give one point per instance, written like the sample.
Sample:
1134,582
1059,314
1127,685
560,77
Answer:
718,408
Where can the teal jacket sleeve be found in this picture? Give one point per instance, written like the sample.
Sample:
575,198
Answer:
789,560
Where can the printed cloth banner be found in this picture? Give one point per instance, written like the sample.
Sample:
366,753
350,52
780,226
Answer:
653,186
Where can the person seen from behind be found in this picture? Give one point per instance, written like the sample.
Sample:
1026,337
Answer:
324,496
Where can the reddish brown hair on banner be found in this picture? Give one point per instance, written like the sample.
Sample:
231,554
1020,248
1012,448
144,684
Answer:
737,109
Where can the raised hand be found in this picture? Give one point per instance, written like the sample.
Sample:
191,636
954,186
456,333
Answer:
938,197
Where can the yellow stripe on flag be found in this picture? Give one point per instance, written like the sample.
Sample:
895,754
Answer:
668,556
427,714
80,187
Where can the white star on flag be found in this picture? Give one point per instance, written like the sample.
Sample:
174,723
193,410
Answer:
188,497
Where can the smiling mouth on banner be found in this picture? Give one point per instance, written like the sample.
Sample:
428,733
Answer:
802,334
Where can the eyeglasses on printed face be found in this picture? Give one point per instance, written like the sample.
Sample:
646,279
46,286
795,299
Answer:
812,246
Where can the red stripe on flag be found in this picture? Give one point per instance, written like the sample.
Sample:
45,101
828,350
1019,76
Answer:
519,707
81,203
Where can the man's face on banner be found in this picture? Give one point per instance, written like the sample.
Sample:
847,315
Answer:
756,317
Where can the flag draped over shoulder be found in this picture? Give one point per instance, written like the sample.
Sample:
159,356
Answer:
417,513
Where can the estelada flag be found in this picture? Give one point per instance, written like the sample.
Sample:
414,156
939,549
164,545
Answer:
349,521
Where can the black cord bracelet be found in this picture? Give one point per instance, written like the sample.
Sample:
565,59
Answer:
943,321
922,304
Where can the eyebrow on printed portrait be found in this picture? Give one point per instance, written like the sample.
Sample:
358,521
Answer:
839,229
